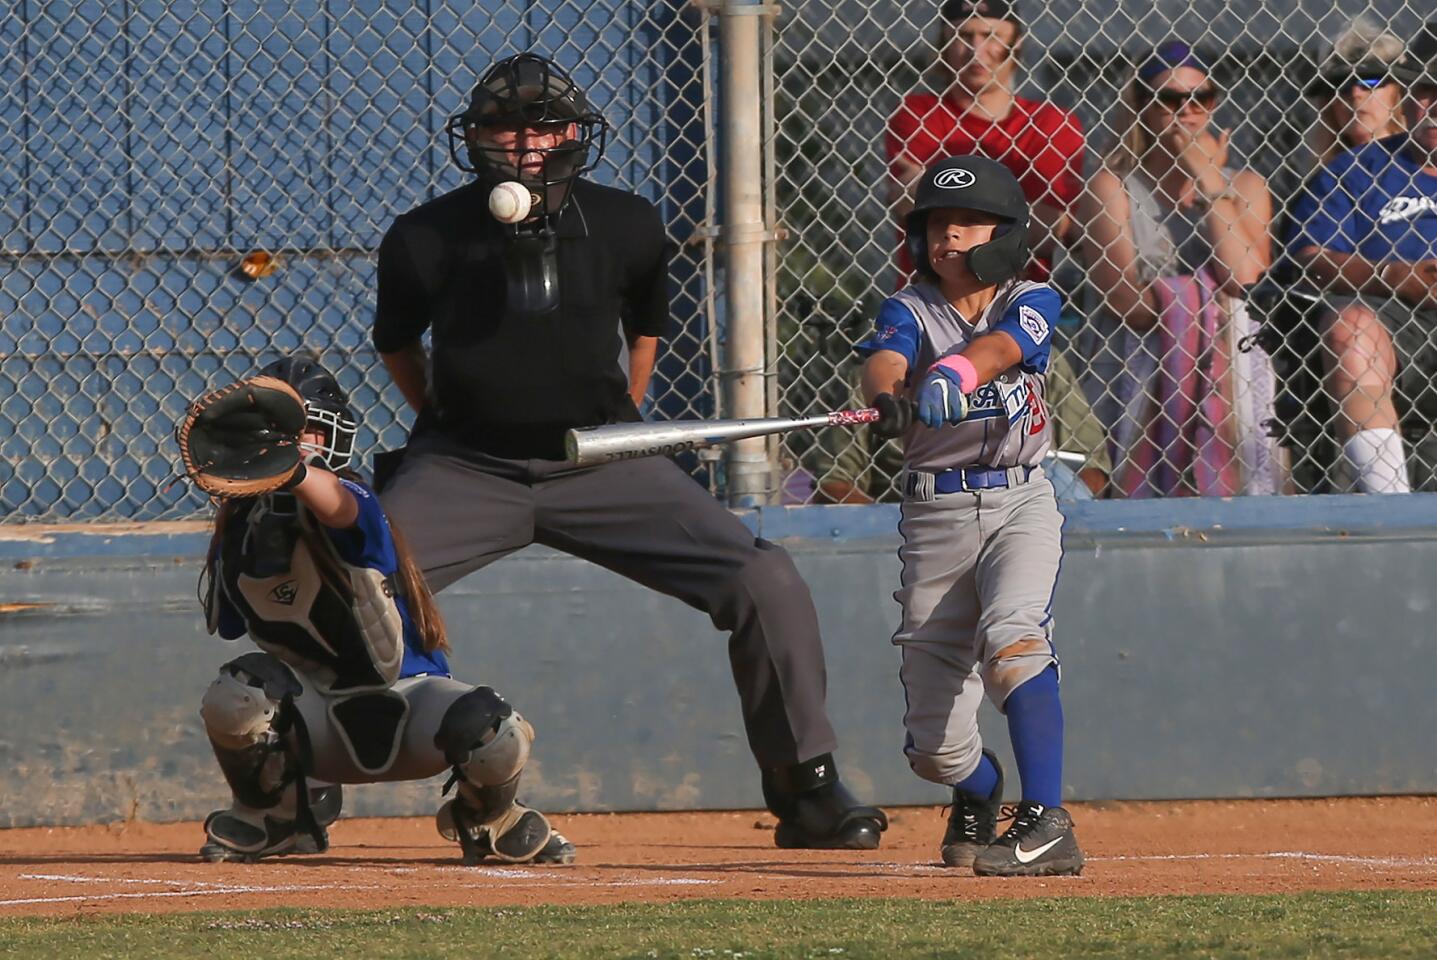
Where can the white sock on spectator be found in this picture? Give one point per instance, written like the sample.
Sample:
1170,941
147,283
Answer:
1379,461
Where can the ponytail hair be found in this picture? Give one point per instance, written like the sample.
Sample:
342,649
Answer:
422,608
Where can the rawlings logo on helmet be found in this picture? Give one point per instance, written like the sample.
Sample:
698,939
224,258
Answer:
953,179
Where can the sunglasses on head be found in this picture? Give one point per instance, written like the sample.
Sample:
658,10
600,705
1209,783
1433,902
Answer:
1175,100
1369,80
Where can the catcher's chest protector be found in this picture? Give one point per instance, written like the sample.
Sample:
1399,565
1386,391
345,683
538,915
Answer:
292,610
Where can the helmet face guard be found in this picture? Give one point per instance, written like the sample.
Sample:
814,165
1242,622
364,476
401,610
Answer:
529,92
326,408
973,183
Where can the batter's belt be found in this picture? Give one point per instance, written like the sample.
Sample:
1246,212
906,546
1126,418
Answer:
922,485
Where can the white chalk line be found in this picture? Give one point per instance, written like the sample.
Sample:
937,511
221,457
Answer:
208,892
201,888
64,878
1352,859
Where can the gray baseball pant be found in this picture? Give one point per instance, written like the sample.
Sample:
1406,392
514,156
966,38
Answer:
650,522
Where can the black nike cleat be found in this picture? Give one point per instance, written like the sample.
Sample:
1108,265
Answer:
972,823
1039,843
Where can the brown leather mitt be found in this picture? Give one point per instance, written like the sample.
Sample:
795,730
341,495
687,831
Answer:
243,440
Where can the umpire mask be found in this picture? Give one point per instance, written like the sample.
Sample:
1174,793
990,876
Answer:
527,121
973,183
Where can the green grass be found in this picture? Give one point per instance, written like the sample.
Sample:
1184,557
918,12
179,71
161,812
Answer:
1310,925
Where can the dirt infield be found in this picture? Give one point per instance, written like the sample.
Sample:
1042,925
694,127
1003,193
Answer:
1133,848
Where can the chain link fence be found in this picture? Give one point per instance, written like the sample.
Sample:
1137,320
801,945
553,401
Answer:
149,146
1175,377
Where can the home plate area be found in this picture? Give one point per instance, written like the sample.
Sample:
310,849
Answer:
1184,847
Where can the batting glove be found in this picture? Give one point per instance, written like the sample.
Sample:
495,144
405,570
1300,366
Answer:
941,399
895,415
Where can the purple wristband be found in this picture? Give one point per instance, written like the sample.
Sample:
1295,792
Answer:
963,367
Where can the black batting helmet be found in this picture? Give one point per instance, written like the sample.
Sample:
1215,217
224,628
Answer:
973,183
530,91
326,406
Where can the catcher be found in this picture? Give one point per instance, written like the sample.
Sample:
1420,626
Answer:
351,683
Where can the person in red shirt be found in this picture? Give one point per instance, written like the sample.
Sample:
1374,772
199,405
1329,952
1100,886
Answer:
979,44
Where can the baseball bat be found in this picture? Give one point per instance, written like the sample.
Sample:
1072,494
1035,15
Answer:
628,441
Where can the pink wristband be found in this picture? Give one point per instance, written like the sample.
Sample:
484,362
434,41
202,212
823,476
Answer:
961,365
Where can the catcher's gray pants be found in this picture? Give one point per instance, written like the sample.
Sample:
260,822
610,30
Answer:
650,522
414,757
979,571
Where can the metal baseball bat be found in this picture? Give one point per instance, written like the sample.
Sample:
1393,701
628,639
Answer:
628,441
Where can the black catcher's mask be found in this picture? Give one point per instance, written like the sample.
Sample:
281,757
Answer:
528,91
326,406
975,183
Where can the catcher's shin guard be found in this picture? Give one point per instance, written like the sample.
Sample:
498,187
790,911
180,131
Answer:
259,741
816,811
488,745
246,835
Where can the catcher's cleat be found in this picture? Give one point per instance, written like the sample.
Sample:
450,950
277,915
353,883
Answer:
972,823
238,839
557,850
1039,843
519,835
816,812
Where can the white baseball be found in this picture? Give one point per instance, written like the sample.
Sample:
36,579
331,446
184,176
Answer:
509,202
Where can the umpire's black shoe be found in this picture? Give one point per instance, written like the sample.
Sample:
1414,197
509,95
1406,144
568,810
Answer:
973,822
816,812
1039,843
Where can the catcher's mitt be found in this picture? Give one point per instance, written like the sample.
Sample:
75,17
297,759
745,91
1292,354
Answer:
243,440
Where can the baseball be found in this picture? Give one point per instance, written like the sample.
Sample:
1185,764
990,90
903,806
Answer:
509,202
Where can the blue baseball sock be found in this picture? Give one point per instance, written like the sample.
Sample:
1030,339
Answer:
981,781
1035,724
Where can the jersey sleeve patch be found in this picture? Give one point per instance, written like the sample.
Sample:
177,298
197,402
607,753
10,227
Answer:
1029,320
896,329
1032,321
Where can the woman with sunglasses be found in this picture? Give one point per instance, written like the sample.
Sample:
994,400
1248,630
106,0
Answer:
1172,235
1357,94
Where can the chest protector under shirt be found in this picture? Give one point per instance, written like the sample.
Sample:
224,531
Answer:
344,640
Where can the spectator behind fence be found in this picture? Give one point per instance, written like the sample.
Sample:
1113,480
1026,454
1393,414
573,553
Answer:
855,466
977,111
1355,92
1172,234
1364,231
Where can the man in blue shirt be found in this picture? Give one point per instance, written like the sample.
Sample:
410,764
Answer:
1364,230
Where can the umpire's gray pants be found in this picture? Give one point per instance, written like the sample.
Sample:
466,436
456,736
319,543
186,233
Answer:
650,522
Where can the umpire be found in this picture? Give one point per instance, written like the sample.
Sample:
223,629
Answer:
530,326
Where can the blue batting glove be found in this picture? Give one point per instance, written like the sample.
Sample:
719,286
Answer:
941,400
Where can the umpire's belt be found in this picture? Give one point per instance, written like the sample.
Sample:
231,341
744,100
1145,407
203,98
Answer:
922,485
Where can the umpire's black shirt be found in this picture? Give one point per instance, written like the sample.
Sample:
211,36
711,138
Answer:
511,384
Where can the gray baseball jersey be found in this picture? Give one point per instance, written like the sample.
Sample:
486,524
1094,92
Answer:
1008,423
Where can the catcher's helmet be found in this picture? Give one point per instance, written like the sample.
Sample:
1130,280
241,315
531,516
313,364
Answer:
973,183
530,91
326,406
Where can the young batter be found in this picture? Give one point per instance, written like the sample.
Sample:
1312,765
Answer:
963,351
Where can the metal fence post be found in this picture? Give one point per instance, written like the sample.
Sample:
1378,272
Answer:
745,233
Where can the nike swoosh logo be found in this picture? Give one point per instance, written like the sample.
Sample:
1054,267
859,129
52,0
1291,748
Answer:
1028,856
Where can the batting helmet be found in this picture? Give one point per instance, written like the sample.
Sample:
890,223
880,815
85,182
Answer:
973,183
326,406
530,91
